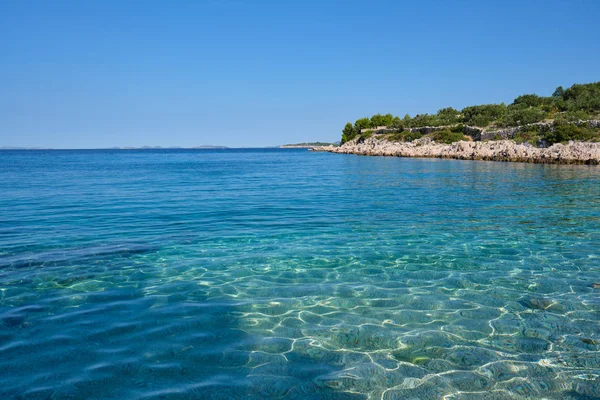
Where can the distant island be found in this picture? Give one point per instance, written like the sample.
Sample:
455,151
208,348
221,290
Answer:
23,148
307,145
170,147
531,129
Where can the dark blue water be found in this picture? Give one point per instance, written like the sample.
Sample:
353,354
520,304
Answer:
260,274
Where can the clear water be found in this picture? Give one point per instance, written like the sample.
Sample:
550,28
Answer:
259,274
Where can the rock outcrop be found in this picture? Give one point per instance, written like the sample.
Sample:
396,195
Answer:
497,150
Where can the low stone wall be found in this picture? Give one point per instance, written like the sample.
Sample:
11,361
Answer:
477,133
509,133
497,150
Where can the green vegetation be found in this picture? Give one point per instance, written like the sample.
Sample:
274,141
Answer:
528,135
558,132
565,107
405,136
447,136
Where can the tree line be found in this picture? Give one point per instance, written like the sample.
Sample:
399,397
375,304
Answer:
578,102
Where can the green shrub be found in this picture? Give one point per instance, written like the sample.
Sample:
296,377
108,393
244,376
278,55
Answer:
517,116
447,116
575,115
404,136
483,115
424,120
410,136
583,97
396,137
460,128
364,137
447,136
564,133
530,136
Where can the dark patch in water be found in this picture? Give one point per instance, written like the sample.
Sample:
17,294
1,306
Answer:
13,321
536,303
60,257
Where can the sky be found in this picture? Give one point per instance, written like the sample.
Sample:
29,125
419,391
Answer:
95,74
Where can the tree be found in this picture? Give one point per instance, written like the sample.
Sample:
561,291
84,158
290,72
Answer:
583,97
397,124
484,114
381,120
564,133
348,133
424,120
516,116
388,119
529,100
363,123
447,116
559,93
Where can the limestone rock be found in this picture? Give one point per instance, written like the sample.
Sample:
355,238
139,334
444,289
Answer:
500,150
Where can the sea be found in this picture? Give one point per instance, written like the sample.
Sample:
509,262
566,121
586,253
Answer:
289,274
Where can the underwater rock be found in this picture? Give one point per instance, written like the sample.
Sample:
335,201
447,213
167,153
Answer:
274,345
258,358
365,337
528,388
234,358
592,304
521,344
272,387
508,324
437,365
426,390
488,395
584,386
13,321
418,355
431,338
536,303
580,343
539,333
368,376
468,357
461,381
507,370
580,360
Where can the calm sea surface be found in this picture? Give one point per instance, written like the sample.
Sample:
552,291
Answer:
265,274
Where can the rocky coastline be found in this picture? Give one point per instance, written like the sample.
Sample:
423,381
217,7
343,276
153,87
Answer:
494,150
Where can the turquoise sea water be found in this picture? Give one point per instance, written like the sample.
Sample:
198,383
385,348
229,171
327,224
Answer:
264,274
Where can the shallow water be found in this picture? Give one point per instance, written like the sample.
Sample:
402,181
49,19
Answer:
258,274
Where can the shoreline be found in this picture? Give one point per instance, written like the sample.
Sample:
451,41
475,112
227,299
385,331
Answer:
587,153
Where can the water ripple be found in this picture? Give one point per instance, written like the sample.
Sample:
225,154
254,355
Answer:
256,274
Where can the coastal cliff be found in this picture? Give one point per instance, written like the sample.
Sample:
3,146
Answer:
497,150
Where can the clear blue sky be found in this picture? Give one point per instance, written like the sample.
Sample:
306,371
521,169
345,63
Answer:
84,74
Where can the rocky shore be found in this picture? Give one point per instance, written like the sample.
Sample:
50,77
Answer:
496,150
